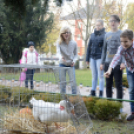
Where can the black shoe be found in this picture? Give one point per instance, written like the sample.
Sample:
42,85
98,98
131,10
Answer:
130,117
93,93
101,94
26,86
32,87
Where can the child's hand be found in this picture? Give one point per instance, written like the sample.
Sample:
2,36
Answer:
88,64
101,67
122,66
72,64
107,74
63,59
23,69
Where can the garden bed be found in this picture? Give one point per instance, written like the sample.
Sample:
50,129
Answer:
99,126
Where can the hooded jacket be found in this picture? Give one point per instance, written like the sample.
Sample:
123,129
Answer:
30,58
95,45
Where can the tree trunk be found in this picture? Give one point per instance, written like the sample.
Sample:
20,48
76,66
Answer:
88,30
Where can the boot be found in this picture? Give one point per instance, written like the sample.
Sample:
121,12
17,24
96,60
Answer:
101,94
32,87
93,93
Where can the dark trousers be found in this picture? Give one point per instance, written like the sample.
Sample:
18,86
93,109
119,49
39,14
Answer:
29,76
117,74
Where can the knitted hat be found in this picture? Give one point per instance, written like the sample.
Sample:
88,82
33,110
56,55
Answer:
30,43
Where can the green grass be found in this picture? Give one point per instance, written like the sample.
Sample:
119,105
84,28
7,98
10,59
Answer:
84,77
112,127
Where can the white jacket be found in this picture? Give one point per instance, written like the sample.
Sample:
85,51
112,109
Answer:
30,58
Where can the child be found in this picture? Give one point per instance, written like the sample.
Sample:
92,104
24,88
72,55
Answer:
111,44
93,56
127,51
30,57
67,53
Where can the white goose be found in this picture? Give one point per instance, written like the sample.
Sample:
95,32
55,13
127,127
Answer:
49,112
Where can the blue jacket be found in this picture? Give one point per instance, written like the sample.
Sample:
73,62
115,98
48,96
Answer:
95,45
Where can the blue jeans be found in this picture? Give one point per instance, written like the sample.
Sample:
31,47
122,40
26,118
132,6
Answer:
71,74
97,73
130,78
29,75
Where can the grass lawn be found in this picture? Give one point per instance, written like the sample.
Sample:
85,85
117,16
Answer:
112,127
84,77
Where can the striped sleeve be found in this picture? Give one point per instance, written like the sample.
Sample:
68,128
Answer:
116,58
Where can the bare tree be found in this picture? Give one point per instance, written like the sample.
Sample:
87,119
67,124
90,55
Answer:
94,9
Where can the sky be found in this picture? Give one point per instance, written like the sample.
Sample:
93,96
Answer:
66,6
130,0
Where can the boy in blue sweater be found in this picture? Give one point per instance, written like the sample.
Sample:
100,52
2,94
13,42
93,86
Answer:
111,44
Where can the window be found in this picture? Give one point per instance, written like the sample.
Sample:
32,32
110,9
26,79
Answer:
78,49
78,37
83,50
79,25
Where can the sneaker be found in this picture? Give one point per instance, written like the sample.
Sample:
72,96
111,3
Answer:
130,117
101,94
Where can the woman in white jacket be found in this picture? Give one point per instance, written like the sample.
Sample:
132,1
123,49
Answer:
30,57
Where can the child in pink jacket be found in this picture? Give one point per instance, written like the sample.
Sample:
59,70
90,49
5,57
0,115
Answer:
30,57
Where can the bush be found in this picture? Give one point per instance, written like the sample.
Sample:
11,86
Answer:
48,97
124,81
107,110
90,102
24,93
49,63
5,89
5,94
102,109
3,97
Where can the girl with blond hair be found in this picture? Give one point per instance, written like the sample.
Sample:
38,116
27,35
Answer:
67,53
